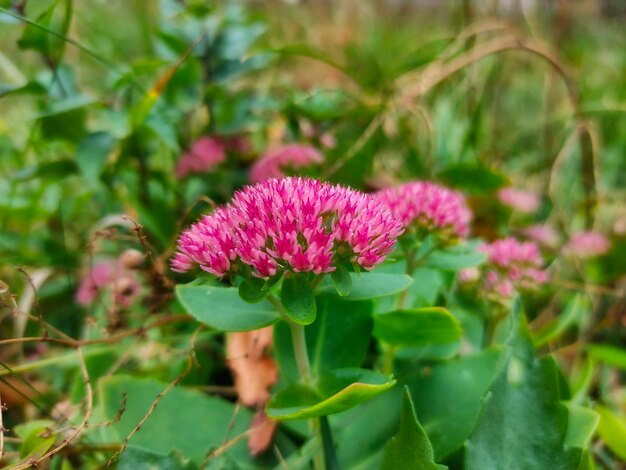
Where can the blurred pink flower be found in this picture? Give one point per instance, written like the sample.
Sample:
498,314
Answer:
204,155
428,205
328,140
208,152
542,234
273,163
517,199
511,265
586,245
98,277
296,224
125,286
469,275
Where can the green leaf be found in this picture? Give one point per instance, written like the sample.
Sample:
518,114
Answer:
92,154
337,391
448,397
40,40
455,258
222,308
36,438
611,355
523,423
612,430
473,178
186,423
417,327
342,280
573,314
368,285
339,338
410,448
359,444
137,458
582,423
252,290
297,297
65,119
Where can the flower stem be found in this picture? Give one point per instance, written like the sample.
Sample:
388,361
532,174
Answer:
298,339
299,347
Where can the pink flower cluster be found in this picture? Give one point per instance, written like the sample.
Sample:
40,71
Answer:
543,234
428,205
118,275
511,265
522,201
296,224
208,152
586,245
275,161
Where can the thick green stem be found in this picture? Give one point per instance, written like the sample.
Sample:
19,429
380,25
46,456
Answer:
299,347
388,359
298,339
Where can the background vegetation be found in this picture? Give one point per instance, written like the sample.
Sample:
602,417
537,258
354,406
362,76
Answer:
99,99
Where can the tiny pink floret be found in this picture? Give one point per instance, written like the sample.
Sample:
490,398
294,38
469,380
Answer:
428,204
293,224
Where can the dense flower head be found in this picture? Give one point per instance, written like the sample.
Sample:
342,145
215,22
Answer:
512,265
520,200
293,224
428,205
586,245
276,161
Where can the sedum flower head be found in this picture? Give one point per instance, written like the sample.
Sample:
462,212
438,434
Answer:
585,245
275,161
512,265
293,224
428,205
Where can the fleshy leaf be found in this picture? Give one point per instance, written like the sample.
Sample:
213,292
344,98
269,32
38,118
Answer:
417,327
252,290
523,423
186,423
448,397
410,447
297,297
222,308
342,280
368,285
337,391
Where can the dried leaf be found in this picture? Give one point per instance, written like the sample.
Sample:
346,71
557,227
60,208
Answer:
262,429
253,369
